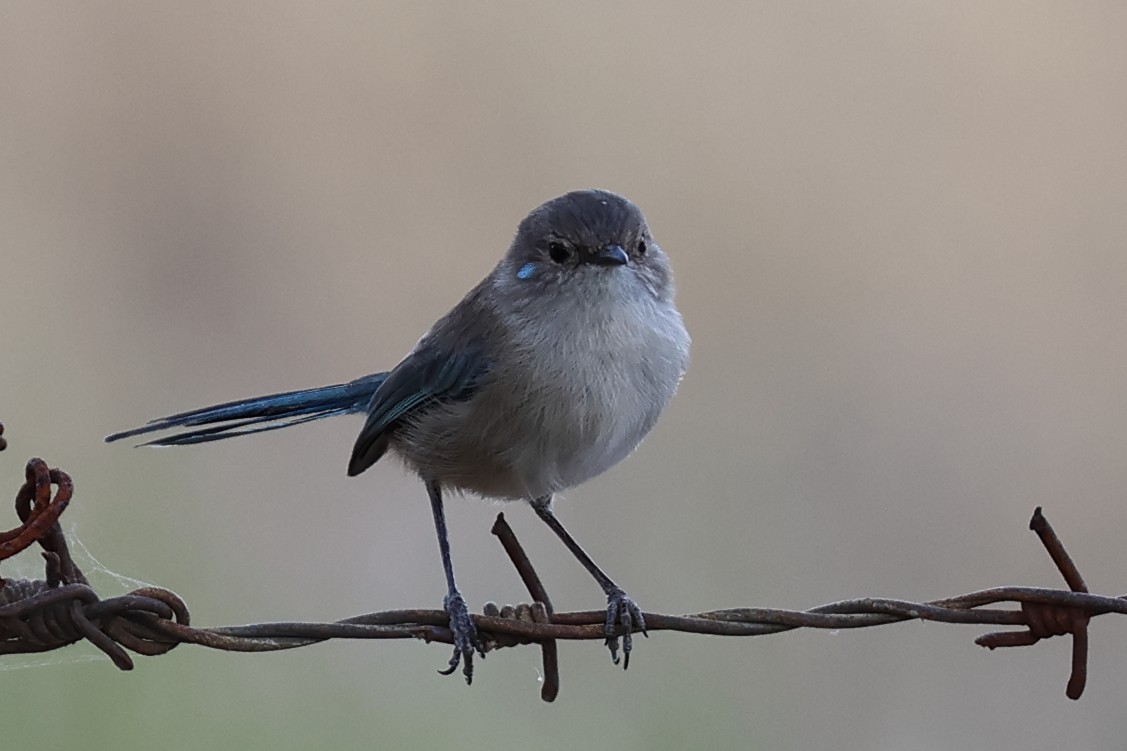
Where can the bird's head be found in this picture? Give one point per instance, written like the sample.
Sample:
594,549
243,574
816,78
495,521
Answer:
587,242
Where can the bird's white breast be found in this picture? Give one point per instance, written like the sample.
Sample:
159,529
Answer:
603,382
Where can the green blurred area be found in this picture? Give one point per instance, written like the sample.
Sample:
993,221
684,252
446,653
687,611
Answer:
899,234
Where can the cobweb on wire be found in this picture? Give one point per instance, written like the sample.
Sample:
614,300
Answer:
102,578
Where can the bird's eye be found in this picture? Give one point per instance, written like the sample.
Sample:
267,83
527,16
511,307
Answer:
559,252
641,247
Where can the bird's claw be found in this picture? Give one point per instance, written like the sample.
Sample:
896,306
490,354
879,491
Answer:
466,639
622,611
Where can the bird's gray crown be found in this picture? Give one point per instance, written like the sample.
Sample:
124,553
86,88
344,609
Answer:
578,227
579,236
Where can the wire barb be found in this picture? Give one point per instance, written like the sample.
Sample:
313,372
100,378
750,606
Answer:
1043,619
541,614
62,608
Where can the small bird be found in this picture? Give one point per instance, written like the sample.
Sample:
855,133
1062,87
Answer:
549,372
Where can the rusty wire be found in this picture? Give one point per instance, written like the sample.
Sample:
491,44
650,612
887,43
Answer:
42,615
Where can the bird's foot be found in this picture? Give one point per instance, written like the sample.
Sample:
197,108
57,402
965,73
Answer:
466,639
622,611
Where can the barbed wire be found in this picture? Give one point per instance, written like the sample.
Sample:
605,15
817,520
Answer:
62,608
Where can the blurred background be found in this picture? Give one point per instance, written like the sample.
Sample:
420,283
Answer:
899,233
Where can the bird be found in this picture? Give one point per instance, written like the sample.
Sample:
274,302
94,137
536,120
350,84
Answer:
550,371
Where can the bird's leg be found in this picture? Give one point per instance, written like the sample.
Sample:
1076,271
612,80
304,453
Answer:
466,640
621,610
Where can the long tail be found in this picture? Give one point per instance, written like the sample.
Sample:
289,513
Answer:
261,413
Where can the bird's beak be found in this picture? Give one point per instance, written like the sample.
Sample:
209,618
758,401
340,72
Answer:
610,255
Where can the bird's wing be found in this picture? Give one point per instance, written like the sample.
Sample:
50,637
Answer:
427,375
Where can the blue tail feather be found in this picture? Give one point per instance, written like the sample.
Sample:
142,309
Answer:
260,414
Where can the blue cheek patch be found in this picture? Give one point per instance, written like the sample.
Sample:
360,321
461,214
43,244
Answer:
526,271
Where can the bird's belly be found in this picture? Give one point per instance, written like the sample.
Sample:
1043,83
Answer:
547,419
620,428
580,428
509,445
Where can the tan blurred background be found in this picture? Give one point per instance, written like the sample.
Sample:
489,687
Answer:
899,231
